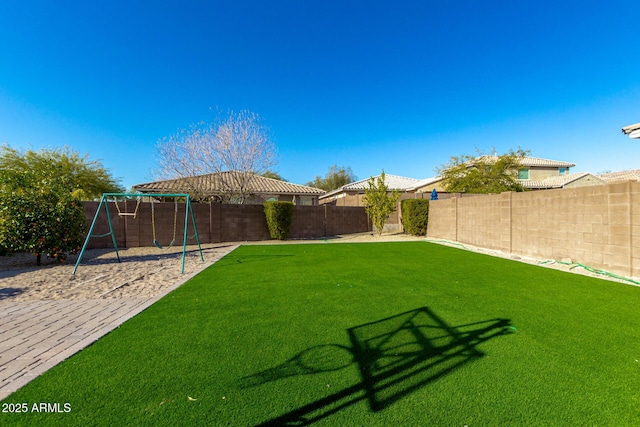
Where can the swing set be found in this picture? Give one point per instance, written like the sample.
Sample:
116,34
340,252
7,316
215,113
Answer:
188,214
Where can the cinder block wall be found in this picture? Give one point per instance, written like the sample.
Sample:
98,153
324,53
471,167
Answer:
635,228
485,221
243,222
346,220
598,226
216,223
443,219
308,222
562,223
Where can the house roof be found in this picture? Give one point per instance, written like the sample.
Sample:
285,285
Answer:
539,162
557,181
211,183
424,182
628,175
393,182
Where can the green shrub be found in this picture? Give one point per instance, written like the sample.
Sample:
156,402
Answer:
40,216
279,216
415,215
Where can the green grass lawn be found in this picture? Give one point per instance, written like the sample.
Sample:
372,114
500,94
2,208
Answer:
372,334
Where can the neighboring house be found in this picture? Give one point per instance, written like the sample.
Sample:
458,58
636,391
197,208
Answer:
537,169
622,176
216,186
352,194
572,180
544,174
427,186
534,174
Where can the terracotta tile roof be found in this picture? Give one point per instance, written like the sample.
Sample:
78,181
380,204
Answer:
393,182
556,181
211,183
628,175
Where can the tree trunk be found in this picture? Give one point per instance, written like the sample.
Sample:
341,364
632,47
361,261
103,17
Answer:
38,259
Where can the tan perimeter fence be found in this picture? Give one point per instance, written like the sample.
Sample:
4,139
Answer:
216,223
597,226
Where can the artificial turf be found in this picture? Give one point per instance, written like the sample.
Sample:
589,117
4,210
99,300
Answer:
360,334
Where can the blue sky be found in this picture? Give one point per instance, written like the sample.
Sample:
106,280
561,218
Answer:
399,86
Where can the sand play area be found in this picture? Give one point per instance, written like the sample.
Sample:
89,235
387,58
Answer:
142,272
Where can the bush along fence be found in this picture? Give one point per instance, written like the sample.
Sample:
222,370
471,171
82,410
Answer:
279,216
597,226
217,223
415,216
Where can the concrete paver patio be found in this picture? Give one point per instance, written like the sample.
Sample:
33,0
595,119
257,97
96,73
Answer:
35,336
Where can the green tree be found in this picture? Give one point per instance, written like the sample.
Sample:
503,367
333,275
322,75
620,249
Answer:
482,174
273,175
40,200
335,178
379,202
86,178
39,214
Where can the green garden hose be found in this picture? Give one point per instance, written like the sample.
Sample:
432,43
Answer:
591,269
550,261
448,242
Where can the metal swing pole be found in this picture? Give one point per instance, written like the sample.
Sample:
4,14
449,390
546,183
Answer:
103,200
113,234
189,208
195,230
184,239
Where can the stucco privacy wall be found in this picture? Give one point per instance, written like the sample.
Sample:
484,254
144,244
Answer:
216,223
597,226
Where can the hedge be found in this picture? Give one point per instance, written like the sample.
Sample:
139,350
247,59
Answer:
415,215
279,216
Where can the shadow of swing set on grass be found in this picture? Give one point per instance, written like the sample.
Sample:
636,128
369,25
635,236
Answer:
395,356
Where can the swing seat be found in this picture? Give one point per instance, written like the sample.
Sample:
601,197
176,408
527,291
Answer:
153,225
159,246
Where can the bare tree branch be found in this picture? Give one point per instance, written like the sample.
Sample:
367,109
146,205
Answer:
239,143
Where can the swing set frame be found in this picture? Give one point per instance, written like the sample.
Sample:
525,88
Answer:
104,202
